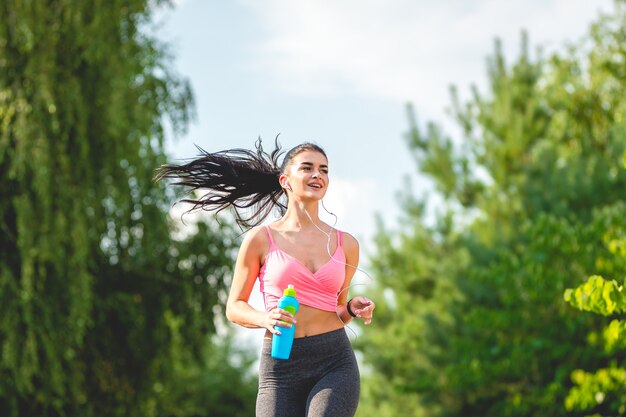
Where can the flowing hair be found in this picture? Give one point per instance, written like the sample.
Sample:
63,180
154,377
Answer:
242,179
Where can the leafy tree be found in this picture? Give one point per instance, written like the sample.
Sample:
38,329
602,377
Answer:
215,386
100,308
601,392
473,322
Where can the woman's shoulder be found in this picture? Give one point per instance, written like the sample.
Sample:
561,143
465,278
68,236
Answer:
349,242
256,238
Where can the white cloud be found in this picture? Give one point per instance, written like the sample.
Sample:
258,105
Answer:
405,49
351,201
179,3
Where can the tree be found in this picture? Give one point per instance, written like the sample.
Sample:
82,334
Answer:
601,392
96,297
473,323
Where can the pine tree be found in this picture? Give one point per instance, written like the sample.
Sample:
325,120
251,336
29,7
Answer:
473,322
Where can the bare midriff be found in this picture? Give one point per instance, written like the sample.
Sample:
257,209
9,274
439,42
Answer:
312,321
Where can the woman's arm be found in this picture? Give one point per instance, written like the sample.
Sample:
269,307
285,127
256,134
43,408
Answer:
247,267
362,307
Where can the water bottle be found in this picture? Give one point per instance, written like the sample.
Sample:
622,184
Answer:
281,344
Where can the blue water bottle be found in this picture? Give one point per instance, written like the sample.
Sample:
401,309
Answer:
281,344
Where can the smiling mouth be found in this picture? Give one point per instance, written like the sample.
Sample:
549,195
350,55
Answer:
315,186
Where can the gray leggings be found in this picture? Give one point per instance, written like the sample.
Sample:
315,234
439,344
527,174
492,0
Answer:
320,378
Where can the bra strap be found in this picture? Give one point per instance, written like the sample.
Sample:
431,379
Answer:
269,234
339,237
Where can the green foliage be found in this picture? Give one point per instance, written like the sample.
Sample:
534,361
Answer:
598,296
216,385
472,322
602,392
97,300
614,336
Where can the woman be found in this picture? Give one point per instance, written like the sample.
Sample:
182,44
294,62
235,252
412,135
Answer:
321,378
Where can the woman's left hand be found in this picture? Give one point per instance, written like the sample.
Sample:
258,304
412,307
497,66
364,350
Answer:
363,307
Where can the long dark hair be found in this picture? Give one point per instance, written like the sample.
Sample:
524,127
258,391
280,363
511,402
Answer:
237,178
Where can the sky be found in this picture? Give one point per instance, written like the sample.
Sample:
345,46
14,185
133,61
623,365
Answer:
340,73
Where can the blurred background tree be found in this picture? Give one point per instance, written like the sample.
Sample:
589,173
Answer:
473,321
601,391
102,310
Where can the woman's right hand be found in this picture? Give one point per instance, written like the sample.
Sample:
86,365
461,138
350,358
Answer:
278,317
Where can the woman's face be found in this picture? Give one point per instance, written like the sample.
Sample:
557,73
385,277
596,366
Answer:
307,175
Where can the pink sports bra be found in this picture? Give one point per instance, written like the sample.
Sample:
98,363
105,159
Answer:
317,289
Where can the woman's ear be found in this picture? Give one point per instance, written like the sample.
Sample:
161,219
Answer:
284,182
